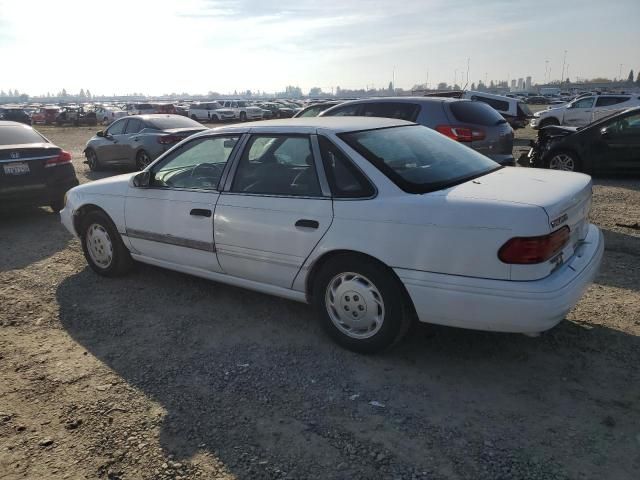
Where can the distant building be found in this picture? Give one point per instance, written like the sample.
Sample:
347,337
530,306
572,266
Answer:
520,84
513,84
528,84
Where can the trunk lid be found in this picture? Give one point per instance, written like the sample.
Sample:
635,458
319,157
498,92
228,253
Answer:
564,196
23,166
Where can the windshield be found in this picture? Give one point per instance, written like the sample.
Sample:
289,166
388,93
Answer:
19,135
418,159
177,121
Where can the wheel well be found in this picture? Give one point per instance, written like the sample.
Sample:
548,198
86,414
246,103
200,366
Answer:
82,212
550,120
316,267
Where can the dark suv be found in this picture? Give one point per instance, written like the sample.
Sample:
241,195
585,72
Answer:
474,124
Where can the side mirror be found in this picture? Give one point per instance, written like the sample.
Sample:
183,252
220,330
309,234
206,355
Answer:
228,143
100,133
142,179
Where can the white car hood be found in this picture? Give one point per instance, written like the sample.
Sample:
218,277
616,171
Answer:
556,192
116,185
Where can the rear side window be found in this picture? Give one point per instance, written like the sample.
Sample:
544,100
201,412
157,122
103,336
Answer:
607,101
402,111
501,105
524,110
19,135
345,179
476,113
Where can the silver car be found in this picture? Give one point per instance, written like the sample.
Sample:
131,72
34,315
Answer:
137,140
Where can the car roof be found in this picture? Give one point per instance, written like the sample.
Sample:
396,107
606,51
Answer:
402,100
151,116
313,124
9,123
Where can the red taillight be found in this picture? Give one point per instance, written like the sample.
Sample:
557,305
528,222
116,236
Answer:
168,139
63,159
461,134
528,250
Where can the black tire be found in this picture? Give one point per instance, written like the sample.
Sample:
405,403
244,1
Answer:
563,160
243,117
92,160
214,119
121,261
396,318
142,160
548,122
57,204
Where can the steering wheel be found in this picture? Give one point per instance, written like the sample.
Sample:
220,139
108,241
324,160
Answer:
216,174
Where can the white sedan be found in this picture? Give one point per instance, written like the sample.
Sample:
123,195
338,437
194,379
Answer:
374,221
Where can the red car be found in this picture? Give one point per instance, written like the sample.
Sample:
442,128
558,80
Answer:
46,115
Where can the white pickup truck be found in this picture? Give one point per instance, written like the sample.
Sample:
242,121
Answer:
584,110
242,110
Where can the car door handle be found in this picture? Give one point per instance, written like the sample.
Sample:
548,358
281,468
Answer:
200,212
307,223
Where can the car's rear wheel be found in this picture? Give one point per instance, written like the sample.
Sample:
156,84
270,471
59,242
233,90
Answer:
360,303
143,160
103,247
565,161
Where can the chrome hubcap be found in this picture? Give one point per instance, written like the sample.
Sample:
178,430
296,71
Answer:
562,161
354,305
99,245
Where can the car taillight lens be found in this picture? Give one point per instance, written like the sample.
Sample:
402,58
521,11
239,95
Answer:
461,134
168,139
63,159
528,250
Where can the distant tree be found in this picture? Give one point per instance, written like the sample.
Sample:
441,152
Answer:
473,86
88,94
442,86
390,87
3,93
567,80
456,87
10,93
24,97
315,91
491,84
16,93
630,77
248,93
638,79
82,94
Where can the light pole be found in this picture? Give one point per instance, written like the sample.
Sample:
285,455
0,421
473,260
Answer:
563,62
620,74
546,69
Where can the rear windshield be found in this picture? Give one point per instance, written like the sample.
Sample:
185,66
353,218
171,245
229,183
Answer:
173,122
476,113
19,135
418,159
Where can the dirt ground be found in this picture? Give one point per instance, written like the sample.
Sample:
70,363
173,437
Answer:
163,376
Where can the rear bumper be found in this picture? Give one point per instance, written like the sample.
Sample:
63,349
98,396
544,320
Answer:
36,195
502,305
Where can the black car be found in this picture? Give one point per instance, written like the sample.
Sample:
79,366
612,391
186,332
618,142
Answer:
607,145
33,171
15,115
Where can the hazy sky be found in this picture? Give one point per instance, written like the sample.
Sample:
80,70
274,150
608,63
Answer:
153,46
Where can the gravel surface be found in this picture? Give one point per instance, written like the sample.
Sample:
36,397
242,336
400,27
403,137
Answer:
159,375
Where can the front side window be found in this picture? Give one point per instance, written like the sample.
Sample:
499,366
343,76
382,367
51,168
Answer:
345,179
197,165
346,111
277,165
627,126
583,103
134,126
117,128
418,159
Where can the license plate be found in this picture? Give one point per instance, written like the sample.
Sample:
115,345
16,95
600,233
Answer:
19,168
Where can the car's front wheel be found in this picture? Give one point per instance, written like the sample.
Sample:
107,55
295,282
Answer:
102,245
548,122
243,117
92,160
143,160
565,161
360,303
